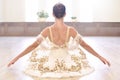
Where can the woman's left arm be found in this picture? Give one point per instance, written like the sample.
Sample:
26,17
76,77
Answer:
77,37
93,52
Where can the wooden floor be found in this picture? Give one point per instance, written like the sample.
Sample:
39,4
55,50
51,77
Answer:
109,47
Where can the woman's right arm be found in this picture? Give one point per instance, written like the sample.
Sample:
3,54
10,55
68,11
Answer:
26,51
30,47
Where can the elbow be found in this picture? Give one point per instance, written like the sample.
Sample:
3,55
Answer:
32,47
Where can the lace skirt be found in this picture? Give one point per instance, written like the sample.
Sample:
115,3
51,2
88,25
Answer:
59,64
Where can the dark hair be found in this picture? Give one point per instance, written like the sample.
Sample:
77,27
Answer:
59,10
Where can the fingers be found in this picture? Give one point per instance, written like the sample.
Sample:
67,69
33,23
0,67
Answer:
8,65
106,62
11,63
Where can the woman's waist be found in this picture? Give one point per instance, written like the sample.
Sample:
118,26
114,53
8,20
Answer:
63,48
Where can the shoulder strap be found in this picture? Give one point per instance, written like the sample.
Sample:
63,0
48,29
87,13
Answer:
51,37
67,35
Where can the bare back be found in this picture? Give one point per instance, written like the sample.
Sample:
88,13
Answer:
59,36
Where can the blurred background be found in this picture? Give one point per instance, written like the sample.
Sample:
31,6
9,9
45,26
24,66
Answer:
98,21
84,10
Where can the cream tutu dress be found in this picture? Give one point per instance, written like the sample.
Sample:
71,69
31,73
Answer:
53,62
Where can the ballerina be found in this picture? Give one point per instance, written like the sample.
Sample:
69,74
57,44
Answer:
56,53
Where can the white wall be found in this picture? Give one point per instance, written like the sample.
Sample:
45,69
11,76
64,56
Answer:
31,8
14,10
106,10
85,10
1,10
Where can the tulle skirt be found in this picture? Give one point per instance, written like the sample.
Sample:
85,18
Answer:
59,64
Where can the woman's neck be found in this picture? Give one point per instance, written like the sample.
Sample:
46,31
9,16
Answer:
59,23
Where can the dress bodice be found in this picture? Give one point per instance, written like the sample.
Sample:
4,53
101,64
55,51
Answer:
70,45
70,42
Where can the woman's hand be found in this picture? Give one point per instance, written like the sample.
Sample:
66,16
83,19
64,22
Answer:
12,62
104,61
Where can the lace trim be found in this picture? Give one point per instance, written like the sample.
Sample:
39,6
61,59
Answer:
39,37
78,38
38,64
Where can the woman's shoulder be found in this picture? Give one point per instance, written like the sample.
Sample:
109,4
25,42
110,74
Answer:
45,31
71,28
72,31
47,28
